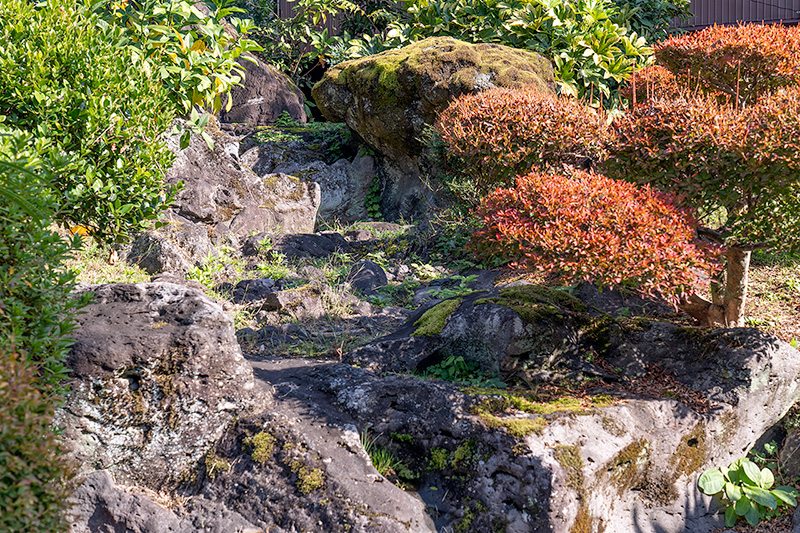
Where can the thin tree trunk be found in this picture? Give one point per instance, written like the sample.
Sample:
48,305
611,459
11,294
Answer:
737,268
728,294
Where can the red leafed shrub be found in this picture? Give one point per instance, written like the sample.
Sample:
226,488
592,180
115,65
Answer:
742,61
589,227
745,162
498,134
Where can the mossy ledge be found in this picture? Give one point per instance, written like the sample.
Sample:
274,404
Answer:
433,321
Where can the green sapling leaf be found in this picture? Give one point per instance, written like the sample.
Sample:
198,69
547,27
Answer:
711,481
767,478
760,496
742,506
786,494
751,473
733,492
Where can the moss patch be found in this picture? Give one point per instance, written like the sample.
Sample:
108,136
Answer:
433,321
629,467
536,302
261,445
516,427
570,458
692,452
215,465
308,479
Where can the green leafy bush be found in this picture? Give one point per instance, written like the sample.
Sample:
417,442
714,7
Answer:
498,134
589,227
188,51
748,490
95,105
652,19
35,306
33,473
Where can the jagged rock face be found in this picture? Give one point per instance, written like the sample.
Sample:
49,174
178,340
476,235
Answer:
222,202
230,198
389,99
264,94
343,184
632,466
99,505
157,375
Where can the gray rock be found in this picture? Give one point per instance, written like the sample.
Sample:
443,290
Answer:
264,94
638,460
157,375
343,186
301,302
231,199
317,475
177,247
302,245
98,506
366,276
252,290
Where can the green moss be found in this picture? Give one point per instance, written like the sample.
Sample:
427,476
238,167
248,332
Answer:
628,468
432,322
215,465
403,438
533,294
692,452
308,479
516,427
570,458
439,459
462,454
501,401
262,444
466,521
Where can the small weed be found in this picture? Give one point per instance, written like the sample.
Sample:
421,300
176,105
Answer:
215,465
459,370
272,135
372,202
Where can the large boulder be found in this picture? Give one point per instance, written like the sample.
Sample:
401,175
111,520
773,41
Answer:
685,399
264,94
222,202
389,98
231,199
156,377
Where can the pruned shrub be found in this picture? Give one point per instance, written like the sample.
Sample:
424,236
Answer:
497,134
584,226
743,61
742,165
33,472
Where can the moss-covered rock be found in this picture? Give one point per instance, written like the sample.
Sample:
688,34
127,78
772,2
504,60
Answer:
389,97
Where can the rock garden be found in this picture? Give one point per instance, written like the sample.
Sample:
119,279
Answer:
464,281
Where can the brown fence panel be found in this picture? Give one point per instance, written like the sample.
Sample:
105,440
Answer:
710,12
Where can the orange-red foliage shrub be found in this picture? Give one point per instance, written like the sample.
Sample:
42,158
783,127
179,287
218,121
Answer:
589,227
745,61
498,134
746,161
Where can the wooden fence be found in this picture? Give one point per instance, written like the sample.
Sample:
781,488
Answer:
710,12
